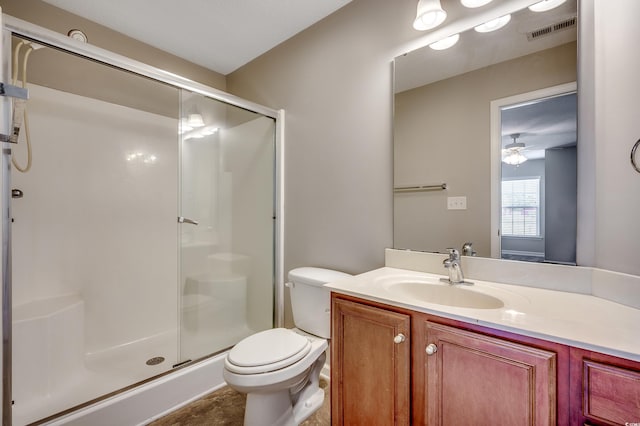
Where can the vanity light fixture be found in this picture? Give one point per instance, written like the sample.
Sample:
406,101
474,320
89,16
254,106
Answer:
184,127
200,132
493,25
209,130
511,152
474,3
429,15
141,157
545,5
195,120
445,43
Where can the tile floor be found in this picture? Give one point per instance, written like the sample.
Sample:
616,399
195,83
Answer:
225,407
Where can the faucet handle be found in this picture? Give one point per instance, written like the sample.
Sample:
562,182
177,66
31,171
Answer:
467,249
453,253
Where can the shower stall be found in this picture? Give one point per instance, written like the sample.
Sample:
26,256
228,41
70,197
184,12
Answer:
143,238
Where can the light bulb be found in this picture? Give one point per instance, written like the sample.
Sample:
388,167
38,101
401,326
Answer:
429,15
195,120
474,3
545,5
494,24
445,43
514,159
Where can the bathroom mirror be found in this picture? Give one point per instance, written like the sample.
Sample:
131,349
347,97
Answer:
457,112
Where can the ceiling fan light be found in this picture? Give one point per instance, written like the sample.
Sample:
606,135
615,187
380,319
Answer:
514,158
494,24
445,43
545,5
511,153
474,3
429,15
514,146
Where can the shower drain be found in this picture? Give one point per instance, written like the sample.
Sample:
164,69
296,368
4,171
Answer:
155,360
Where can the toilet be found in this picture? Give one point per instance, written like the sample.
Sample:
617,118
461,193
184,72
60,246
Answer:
279,369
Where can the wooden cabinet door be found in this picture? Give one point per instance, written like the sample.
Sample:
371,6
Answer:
605,390
476,379
370,372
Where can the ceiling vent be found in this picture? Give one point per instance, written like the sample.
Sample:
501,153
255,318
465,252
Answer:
565,24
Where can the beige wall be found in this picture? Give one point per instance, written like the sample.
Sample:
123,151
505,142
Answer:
609,87
335,82
53,18
443,134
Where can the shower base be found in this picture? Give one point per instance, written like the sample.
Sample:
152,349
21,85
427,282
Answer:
54,374
101,374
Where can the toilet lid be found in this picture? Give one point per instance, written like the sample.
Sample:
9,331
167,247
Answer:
268,350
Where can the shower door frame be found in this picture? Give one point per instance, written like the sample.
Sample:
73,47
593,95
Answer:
18,27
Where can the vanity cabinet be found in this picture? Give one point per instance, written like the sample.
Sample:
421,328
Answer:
470,378
472,375
450,372
371,364
605,390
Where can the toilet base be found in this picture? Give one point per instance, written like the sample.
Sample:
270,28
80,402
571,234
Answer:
276,409
281,408
269,409
303,411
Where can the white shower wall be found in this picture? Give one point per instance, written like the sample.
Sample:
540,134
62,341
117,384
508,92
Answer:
248,165
227,262
104,276
96,219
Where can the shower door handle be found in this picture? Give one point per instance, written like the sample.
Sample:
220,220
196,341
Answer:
187,220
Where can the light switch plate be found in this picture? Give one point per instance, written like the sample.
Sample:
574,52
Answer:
456,203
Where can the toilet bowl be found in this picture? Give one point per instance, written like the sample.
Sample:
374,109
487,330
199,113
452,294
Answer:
279,369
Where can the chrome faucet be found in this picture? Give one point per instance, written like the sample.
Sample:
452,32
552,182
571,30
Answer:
454,267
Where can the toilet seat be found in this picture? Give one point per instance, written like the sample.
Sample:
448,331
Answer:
267,351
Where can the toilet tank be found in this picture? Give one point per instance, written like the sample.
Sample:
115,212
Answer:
310,301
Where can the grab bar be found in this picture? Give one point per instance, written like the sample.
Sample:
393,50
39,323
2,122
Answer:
420,188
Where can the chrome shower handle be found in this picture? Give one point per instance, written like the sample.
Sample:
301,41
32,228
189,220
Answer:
187,220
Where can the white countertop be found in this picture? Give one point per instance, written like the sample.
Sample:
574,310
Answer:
573,319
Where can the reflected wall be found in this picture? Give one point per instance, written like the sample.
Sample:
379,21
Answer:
442,134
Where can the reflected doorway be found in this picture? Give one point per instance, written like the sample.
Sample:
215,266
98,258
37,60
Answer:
534,190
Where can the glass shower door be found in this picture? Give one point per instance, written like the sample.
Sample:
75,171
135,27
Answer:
226,223
93,256
103,299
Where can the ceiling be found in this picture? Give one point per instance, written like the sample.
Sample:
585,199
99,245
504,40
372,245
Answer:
542,125
221,35
477,50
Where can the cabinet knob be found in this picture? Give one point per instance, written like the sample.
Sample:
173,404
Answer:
399,338
431,349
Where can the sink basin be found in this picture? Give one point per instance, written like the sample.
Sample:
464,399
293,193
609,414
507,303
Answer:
445,294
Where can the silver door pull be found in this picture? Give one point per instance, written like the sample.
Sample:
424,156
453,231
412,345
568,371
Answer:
187,220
